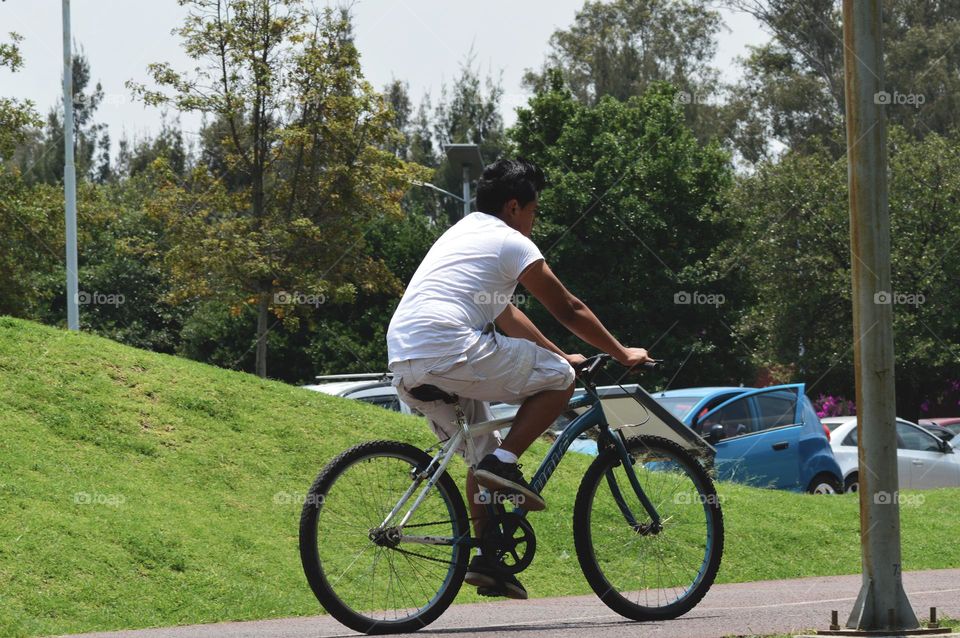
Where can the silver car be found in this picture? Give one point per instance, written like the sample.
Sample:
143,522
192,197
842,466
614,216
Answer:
923,460
374,387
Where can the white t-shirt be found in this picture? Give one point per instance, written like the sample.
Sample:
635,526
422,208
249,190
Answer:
465,281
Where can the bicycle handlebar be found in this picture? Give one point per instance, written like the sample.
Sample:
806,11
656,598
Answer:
592,365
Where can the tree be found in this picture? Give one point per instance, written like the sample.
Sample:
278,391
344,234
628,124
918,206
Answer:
791,92
28,234
40,155
135,157
620,48
628,221
302,138
792,244
31,242
468,112
16,116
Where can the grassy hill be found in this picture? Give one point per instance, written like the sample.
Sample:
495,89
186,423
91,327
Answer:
139,489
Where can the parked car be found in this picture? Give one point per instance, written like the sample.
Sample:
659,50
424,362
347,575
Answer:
938,431
372,388
768,437
952,423
923,460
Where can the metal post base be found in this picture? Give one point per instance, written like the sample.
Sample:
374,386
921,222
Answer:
876,612
933,629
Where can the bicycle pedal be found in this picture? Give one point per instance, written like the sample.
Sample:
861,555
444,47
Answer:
491,592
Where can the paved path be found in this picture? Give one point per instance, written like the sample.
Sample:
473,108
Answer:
743,609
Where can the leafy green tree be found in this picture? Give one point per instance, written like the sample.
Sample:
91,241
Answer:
28,230
303,140
468,112
791,91
31,242
124,281
628,221
620,48
135,156
792,244
40,155
349,337
16,116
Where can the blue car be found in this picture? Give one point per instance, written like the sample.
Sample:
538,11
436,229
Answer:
767,437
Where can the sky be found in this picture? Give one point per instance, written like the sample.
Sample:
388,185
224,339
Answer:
423,42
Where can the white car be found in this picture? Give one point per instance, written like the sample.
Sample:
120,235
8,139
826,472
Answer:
372,388
923,460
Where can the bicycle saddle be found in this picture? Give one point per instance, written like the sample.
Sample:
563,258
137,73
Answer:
427,392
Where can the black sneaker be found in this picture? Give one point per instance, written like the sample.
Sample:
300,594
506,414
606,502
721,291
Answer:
490,581
497,476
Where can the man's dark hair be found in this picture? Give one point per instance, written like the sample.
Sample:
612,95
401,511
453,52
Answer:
508,179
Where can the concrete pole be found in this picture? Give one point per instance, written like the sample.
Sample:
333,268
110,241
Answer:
69,176
882,603
466,189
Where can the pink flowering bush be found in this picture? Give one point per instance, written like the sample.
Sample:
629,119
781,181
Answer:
829,405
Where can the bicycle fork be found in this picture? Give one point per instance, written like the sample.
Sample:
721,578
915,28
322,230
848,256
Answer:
655,525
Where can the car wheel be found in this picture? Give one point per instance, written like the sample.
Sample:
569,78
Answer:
852,484
824,483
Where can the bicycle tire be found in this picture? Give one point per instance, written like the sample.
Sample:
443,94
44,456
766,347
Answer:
312,541
583,519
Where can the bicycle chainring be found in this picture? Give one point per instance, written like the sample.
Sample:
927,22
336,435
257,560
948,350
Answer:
510,541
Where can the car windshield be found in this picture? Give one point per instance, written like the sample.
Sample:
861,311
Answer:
678,406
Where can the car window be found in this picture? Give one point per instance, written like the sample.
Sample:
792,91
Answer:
390,402
911,438
735,419
851,438
776,409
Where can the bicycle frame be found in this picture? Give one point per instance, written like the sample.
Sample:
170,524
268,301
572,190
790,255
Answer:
592,417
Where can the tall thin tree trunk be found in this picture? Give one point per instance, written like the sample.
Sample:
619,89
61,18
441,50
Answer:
262,316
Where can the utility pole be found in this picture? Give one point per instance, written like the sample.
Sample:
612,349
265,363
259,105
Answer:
882,603
69,177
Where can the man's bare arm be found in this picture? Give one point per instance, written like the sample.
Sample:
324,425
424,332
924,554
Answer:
514,323
575,315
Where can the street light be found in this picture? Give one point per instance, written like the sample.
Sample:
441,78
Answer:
69,176
468,158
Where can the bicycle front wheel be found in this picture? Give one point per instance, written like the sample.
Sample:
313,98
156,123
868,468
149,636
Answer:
639,571
379,580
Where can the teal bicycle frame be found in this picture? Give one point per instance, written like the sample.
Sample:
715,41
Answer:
593,417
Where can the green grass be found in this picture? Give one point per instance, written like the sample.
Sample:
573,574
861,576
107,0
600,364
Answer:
141,490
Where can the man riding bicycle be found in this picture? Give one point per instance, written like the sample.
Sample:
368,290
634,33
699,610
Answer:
444,333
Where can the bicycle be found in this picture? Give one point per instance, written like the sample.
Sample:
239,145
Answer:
377,571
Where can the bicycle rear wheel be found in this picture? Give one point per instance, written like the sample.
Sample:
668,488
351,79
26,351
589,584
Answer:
639,573
367,581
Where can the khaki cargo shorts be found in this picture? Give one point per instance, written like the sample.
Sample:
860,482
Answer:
496,368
